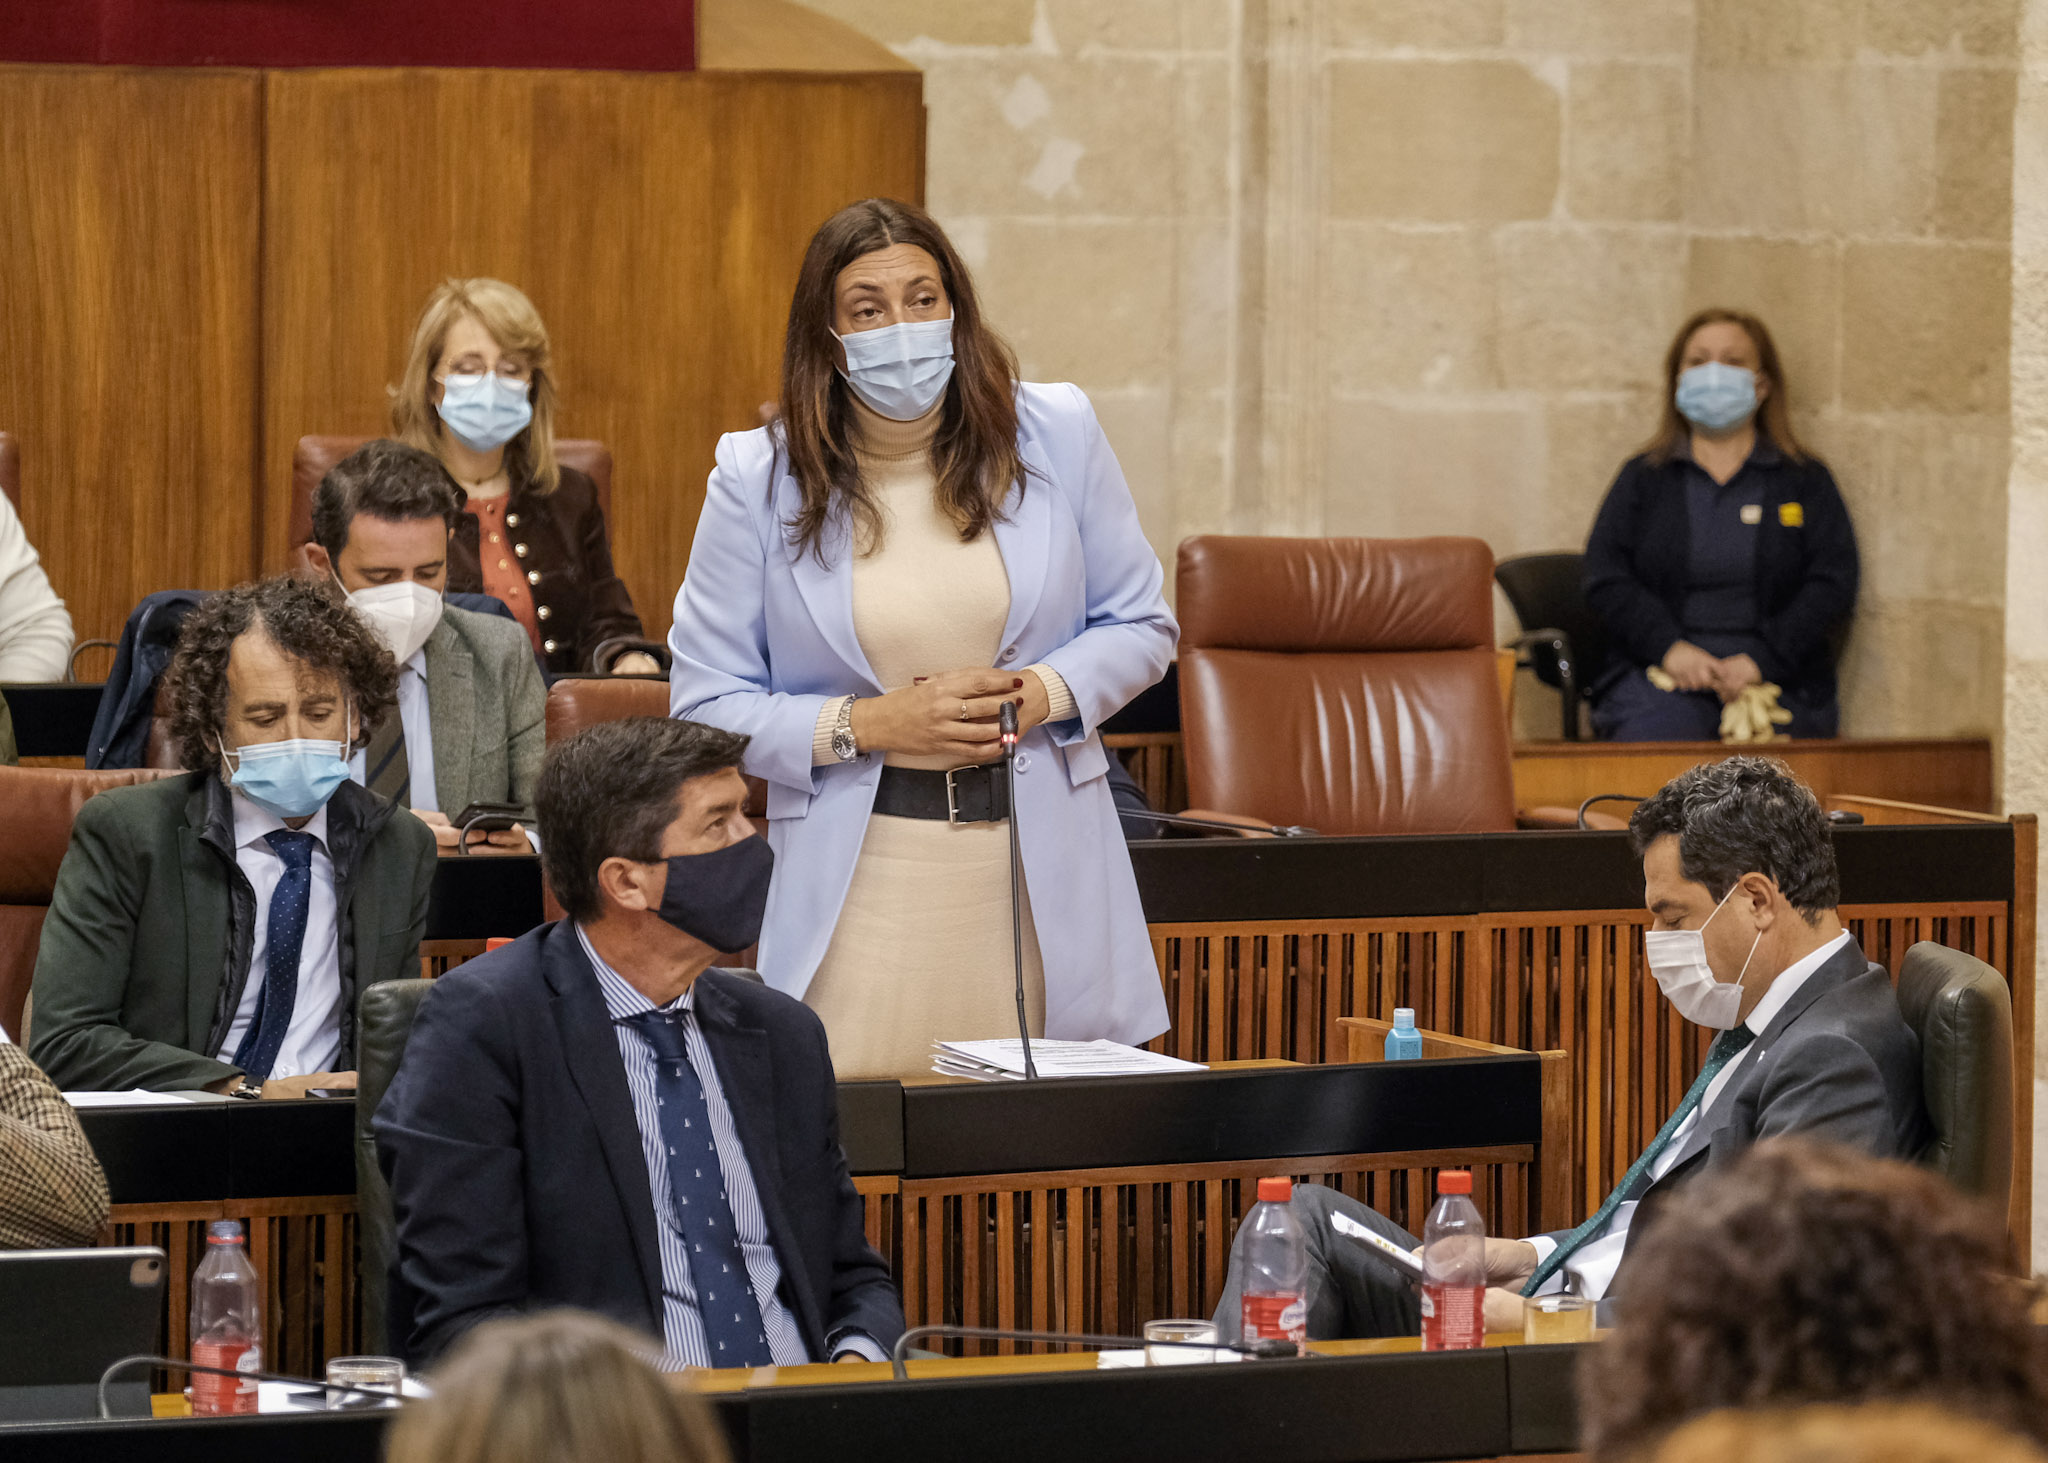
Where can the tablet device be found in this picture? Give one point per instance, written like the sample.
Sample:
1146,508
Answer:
70,1314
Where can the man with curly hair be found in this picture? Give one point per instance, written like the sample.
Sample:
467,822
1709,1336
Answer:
212,930
1739,878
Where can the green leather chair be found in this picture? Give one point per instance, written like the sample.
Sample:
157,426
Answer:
1962,1011
384,1017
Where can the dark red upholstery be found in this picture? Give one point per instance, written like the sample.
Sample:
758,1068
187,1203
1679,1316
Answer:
37,805
1349,685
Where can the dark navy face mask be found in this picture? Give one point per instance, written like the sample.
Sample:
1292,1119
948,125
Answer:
720,897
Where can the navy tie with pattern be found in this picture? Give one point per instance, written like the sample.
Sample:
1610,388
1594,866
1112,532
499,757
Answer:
286,938
733,1332
1726,1048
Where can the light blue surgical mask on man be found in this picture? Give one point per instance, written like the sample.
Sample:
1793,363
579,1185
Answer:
292,779
1714,397
900,371
485,412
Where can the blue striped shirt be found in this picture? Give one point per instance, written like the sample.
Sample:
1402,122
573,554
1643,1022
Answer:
682,1328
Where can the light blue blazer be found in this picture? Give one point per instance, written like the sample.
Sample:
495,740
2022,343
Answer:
764,636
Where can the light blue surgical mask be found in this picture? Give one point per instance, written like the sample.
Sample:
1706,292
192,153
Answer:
900,371
1715,397
292,779
485,412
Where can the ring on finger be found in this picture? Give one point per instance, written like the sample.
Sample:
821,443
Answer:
963,711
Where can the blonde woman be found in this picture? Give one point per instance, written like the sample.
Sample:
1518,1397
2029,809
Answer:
557,1387
478,393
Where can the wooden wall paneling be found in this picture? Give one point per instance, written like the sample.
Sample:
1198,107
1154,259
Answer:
1949,772
128,321
656,220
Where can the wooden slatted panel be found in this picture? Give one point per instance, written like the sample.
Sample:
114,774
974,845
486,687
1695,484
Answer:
304,1250
1572,980
1157,764
1108,1249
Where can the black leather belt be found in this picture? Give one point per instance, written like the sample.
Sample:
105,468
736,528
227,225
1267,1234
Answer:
964,795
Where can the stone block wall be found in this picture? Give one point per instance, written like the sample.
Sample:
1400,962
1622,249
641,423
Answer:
1409,266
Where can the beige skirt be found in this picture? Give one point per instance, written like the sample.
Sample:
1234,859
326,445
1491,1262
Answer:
922,950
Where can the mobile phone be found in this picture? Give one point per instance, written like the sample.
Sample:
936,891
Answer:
486,817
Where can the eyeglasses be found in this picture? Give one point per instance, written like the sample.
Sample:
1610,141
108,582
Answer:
507,369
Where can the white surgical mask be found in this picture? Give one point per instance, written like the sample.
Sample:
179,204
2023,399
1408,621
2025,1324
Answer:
403,614
900,371
1678,959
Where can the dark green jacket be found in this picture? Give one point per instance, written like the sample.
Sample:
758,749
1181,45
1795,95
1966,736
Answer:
145,952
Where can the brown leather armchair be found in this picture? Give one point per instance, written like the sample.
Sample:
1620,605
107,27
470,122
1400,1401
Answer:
576,703
37,805
314,456
1344,684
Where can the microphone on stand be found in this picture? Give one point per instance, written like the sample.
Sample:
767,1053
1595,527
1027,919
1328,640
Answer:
1006,723
1208,825
1264,1347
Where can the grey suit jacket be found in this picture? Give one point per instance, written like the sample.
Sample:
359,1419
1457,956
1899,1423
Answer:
487,710
1838,1065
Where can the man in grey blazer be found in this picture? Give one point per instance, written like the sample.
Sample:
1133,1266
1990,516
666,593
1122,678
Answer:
1740,881
472,706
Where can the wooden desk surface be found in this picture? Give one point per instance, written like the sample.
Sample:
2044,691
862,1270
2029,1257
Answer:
846,1373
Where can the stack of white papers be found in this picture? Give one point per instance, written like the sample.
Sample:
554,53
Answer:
137,1098
1003,1060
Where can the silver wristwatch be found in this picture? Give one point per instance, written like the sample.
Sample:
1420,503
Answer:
843,745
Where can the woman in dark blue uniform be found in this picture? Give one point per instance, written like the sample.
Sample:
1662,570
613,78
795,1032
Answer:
1723,552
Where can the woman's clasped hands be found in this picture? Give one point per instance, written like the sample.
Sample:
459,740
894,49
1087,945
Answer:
952,714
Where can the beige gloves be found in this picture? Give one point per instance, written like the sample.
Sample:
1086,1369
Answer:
1754,716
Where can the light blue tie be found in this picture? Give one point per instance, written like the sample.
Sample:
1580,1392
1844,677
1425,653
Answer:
1726,1048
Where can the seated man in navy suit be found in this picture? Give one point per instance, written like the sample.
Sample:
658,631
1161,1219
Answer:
597,1116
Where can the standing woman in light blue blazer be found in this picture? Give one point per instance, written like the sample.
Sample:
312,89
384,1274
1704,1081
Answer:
919,538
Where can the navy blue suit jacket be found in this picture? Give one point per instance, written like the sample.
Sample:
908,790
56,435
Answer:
515,1165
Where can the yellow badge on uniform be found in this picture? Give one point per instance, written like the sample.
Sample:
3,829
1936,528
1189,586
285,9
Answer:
1792,515
1752,514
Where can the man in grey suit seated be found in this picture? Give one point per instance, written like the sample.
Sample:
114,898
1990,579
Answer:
1739,878
471,723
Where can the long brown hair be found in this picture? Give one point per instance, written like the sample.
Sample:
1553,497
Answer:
974,452
555,1387
1774,416
516,326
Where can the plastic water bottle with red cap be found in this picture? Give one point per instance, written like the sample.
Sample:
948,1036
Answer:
1275,1259
1453,1267
227,1323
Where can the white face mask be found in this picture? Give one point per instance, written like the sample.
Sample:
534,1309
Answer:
403,614
1678,958
900,371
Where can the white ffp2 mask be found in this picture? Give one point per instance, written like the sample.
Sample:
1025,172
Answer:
403,614
1678,959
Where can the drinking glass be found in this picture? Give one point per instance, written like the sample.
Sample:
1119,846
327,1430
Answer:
1550,1320
372,1373
1193,1331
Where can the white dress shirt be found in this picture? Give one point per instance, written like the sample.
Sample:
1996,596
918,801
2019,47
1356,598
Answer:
1591,1269
417,723
312,1043
35,628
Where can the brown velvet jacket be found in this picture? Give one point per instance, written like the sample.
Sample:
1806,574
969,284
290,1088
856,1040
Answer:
562,544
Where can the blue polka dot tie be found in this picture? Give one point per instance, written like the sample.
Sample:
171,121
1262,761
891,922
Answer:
733,1333
285,939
